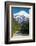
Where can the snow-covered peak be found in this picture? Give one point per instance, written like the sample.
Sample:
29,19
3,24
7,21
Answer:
21,13
21,16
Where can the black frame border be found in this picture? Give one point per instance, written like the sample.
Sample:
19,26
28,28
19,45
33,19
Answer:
7,23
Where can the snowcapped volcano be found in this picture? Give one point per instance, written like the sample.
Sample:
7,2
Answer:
21,16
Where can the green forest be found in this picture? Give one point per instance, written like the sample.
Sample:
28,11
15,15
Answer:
24,29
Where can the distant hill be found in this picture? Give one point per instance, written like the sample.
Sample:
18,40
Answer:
21,19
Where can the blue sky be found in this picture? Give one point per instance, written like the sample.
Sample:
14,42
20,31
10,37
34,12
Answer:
17,9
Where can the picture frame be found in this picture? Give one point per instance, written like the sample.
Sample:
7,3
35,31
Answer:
25,13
